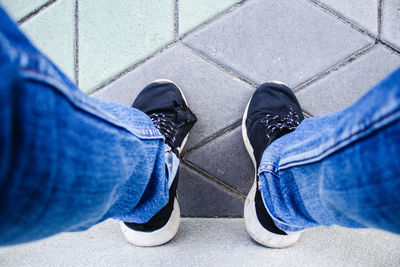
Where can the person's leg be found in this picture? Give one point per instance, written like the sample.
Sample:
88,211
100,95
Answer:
69,161
341,168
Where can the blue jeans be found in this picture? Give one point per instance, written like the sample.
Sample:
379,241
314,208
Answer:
69,161
342,168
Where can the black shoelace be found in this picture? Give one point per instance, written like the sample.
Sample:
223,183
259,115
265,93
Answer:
164,122
276,123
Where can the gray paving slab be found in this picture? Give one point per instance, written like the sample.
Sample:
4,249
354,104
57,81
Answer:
363,13
391,22
208,242
282,40
200,197
115,35
226,159
53,32
217,98
345,86
193,13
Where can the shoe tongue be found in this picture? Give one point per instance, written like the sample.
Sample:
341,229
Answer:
159,98
261,137
185,116
176,114
180,118
163,108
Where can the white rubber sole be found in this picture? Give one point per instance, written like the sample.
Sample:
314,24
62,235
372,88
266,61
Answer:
253,225
155,238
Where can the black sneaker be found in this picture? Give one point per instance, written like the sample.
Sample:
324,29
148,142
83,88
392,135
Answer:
166,105
272,112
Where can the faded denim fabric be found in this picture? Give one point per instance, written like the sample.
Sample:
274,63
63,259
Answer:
342,168
69,161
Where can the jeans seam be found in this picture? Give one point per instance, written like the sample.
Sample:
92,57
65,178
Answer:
144,131
337,144
278,223
55,82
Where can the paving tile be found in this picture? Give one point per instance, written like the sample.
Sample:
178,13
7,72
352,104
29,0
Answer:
364,13
116,34
200,197
20,8
52,31
215,97
193,13
226,159
345,86
283,40
391,22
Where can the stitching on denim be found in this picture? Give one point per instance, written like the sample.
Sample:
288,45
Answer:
276,221
52,82
285,229
388,115
272,172
269,167
49,76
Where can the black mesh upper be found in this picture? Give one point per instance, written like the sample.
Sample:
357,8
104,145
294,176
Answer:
165,105
269,99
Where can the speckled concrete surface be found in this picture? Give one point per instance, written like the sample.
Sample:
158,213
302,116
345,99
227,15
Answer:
208,242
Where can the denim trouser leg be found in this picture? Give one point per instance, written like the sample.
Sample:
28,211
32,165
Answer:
342,168
69,161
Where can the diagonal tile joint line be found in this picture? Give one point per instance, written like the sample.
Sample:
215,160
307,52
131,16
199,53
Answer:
216,17
208,176
131,68
363,51
212,137
380,4
76,44
214,180
306,83
176,19
307,114
177,39
394,49
36,11
225,131
340,17
380,9
221,66
335,67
